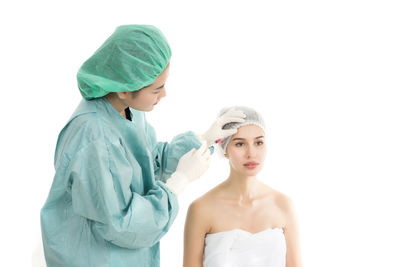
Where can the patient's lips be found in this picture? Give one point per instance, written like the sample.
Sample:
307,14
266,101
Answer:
251,164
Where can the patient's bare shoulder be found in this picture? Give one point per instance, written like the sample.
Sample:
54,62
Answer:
206,201
204,209
285,204
282,200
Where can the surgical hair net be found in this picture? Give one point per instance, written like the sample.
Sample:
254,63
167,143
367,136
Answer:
130,59
252,118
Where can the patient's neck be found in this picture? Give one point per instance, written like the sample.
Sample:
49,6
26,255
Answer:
245,188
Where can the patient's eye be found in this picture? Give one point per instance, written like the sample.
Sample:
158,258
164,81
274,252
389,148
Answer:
239,144
259,143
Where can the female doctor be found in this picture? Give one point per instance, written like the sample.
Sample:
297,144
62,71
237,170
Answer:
114,194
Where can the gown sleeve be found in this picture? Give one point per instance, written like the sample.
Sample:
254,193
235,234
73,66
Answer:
166,155
101,179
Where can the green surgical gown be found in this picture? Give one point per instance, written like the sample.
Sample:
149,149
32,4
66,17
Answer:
108,204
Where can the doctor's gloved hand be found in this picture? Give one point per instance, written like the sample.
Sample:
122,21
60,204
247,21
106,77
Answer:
215,132
190,167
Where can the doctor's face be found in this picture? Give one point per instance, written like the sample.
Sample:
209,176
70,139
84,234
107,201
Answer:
146,98
246,150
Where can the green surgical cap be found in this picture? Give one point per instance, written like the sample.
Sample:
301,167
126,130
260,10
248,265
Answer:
130,59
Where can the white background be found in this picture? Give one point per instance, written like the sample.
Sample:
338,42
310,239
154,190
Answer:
325,75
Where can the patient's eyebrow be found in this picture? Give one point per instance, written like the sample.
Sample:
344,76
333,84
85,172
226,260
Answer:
239,138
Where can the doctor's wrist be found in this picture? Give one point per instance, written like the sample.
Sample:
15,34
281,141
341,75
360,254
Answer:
177,183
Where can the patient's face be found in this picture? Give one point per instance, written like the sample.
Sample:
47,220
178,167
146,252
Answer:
246,150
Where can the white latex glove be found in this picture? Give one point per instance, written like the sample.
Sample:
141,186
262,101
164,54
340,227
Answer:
215,132
190,167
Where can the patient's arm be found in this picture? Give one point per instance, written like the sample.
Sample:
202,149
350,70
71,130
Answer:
293,257
196,227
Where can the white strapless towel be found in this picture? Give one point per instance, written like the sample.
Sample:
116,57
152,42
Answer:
239,248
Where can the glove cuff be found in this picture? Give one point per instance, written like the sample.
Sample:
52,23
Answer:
203,139
177,183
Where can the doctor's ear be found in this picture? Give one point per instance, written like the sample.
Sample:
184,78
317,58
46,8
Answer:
122,95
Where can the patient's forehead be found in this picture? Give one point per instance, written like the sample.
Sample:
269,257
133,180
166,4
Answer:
249,132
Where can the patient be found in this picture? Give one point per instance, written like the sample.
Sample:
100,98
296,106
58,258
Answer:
242,222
